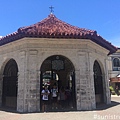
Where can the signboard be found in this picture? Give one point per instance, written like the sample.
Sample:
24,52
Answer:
57,64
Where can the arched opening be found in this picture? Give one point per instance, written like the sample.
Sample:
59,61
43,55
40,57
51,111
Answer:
98,83
60,71
10,80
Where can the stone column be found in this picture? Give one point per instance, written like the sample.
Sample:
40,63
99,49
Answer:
33,98
91,78
21,82
84,85
106,84
77,82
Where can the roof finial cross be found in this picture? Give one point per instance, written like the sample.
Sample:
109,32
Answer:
51,9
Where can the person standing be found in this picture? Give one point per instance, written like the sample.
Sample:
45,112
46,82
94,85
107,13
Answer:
62,97
54,92
117,90
45,93
68,97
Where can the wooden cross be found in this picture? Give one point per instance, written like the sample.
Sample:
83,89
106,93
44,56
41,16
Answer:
51,9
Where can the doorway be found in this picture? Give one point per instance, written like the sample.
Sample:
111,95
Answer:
59,70
98,83
10,81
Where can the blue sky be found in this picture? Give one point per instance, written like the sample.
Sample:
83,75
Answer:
100,15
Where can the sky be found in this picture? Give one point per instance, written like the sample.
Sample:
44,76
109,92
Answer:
100,15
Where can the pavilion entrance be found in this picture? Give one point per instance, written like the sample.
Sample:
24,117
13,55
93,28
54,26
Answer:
60,71
98,83
10,80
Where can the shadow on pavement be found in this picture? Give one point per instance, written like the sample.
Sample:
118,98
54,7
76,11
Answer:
99,107
7,109
104,106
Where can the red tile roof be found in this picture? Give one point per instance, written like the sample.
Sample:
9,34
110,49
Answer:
52,27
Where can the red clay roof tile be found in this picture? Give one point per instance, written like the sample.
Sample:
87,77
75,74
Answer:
52,27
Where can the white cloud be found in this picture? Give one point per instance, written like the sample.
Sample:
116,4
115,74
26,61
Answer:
0,36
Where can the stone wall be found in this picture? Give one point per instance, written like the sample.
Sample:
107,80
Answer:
29,53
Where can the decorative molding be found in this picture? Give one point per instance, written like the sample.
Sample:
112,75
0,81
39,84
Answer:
33,52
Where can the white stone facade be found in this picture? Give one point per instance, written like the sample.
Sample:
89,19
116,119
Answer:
29,54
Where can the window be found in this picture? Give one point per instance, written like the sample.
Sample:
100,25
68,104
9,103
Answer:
116,62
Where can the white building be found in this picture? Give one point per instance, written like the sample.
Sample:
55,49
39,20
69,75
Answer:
114,69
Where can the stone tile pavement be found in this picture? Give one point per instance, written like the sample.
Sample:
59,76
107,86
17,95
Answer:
111,112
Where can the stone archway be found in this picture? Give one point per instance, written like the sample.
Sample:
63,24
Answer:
10,81
98,83
59,70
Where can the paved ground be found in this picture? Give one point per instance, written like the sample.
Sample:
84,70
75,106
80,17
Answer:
111,112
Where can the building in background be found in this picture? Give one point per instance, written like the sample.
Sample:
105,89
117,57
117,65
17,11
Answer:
114,69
